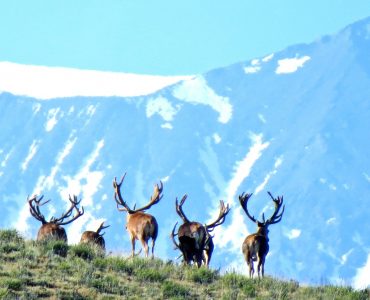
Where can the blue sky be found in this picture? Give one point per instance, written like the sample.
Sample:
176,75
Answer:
163,37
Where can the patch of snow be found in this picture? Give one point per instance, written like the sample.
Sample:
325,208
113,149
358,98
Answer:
290,65
6,158
277,163
367,177
268,58
331,221
167,126
36,108
52,119
344,257
162,107
262,118
197,91
31,153
252,69
216,138
332,187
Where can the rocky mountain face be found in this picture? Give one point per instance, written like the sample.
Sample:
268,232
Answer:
295,123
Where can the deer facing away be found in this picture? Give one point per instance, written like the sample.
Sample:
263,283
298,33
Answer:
94,237
53,228
195,240
140,225
256,246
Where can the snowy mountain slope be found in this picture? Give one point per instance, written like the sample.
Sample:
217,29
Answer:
57,82
294,123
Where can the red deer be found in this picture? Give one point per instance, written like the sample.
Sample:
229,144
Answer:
53,228
256,246
140,225
94,237
195,241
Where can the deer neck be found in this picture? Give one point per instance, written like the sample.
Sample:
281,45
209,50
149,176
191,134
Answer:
262,231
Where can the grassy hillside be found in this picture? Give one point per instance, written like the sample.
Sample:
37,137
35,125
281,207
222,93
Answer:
54,270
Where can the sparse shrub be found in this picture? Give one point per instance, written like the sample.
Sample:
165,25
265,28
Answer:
107,284
119,264
64,267
3,293
173,290
237,282
10,241
70,295
151,275
201,275
86,251
10,235
14,284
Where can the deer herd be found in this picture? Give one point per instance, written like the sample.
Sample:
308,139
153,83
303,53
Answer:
193,239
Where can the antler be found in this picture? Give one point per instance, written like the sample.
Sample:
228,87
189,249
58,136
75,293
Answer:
224,210
35,208
101,227
243,199
276,217
68,213
154,199
118,196
179,210
177,246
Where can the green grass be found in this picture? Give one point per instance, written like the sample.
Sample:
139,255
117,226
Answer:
54,270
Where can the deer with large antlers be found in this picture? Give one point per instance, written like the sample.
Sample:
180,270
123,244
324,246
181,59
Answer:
140,225
53,228
195,240
256,246
94,237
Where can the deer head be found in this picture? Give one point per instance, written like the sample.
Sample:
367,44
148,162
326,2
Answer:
141,226
255,246
94,237
53,228
195,241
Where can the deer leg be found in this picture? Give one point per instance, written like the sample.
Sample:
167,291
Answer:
133,246
145,246
249,259
153,244
262,266
251,268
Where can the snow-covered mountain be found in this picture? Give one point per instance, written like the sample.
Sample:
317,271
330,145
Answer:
295,122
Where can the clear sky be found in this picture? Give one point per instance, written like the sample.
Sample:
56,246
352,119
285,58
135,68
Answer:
163,37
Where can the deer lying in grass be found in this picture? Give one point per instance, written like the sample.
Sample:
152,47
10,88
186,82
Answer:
195,241
140,225
256,246
94,237
53,228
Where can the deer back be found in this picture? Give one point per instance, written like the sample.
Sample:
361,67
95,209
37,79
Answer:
141,224
51,231
255,244
92,237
